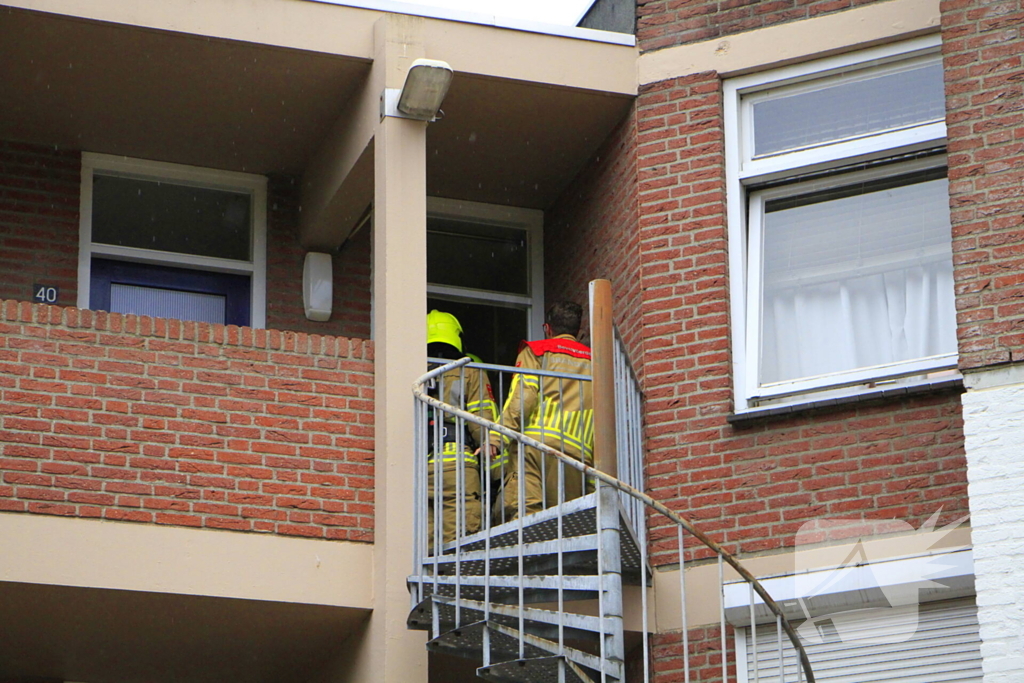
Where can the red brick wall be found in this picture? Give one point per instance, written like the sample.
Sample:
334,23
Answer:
350,310
983,44
704,655
155,421
753,485
591,232
664,23
39,189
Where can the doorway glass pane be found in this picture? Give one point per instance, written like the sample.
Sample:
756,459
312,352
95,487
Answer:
477,256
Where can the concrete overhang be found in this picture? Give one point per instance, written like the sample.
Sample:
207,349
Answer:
259,85
97,601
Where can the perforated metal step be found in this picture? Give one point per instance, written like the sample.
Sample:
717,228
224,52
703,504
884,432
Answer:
541,537
506,589
507,644
539,670
578,556
582,628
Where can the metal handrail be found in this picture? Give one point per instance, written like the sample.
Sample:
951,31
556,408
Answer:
420,392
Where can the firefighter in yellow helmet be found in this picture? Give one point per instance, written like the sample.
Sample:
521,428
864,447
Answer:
469,389
556,412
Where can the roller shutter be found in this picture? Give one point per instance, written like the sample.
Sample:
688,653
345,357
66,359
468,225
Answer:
932,643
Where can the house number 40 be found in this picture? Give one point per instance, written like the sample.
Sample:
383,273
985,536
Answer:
45,294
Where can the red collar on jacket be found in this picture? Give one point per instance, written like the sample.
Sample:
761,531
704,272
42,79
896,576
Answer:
563,343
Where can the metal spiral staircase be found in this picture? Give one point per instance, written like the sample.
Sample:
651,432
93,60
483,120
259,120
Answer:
505,595
540,598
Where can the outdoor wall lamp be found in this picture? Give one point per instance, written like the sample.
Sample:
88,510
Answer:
421,96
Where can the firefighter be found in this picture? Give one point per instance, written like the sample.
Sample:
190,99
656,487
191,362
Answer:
469,389
558,413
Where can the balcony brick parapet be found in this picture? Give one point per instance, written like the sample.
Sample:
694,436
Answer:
147,420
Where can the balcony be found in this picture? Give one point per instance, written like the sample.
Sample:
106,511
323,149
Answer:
165,482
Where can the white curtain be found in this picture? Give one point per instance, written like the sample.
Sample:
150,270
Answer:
856,282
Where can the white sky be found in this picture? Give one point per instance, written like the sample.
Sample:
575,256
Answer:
565,12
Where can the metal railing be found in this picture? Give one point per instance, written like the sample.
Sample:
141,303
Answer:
629,438
530,580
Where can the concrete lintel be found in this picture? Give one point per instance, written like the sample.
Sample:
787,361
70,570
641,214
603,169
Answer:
994,377
764,48
89,553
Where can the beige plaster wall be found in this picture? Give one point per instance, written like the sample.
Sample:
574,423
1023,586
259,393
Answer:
144,557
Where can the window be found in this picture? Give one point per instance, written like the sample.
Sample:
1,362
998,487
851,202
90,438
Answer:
172,241
840,239
934,642
485,266
905,619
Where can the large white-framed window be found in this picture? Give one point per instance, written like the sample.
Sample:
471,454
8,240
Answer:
485,264
840,242
174,241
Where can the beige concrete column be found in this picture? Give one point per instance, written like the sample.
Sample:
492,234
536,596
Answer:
386,651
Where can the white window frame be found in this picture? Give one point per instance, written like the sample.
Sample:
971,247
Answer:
531,221
743,170
253,185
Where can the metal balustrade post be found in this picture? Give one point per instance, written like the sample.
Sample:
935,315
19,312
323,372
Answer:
602,345
610,569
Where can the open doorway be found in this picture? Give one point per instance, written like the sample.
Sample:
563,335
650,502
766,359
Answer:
485,266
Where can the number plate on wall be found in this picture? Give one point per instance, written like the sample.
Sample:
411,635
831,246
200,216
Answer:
45,294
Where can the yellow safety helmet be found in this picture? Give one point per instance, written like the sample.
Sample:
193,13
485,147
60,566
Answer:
444,327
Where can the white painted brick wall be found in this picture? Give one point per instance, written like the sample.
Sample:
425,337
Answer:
994,440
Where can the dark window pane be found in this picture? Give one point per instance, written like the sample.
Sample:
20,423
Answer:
148,214
477,256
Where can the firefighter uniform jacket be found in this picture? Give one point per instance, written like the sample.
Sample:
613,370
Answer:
469,389
460,506
557,412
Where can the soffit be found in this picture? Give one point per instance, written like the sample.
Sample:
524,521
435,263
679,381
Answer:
167,96
153,94
515,143
113,636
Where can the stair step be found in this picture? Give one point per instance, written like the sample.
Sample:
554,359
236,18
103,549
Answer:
538,558
578,520
505,589
468,642
540,622
537,670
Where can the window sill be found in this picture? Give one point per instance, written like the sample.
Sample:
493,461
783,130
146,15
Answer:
868,395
